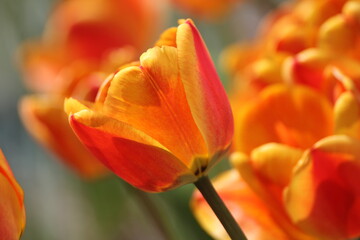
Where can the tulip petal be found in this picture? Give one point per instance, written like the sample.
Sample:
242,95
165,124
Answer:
274,162
155,92
168,38
130,153
308,68
296,116
347,115
329,175
205,94
338,35
248,209
12,211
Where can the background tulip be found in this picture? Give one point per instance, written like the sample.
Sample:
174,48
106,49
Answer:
295,93
188,123
79,45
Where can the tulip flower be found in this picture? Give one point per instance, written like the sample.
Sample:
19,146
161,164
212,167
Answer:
12,211
79,45
162,122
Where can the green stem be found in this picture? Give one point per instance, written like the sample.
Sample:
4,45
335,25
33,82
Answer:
217,205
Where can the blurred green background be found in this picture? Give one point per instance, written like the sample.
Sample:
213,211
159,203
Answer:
59,204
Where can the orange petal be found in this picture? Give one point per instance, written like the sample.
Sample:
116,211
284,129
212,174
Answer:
12,211
296,116
155,92
130,153
46,121
323,197
248,209
205,94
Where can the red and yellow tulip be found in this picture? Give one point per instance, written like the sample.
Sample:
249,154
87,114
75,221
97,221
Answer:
12,211
83,42
163,121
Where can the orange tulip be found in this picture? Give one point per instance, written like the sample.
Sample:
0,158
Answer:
162,122
12,211
83,40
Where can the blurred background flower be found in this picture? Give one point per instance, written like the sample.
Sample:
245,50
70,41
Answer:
79,48
296,100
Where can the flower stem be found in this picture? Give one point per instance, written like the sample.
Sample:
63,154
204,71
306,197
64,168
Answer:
217,205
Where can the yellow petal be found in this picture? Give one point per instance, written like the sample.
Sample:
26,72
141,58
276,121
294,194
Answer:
275,162
347,115
337,35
